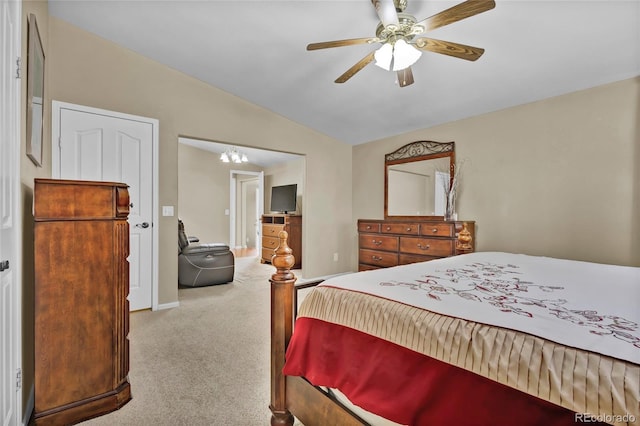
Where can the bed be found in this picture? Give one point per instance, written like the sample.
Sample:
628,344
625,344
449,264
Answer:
476,339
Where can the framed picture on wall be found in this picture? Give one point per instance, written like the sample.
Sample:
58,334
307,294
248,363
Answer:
35,93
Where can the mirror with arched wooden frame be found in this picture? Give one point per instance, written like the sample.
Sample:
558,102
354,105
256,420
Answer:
413,180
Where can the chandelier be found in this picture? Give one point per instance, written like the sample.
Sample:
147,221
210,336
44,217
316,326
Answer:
233,155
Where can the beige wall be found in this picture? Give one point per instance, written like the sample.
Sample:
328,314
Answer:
286,173
88,70
203,193
558,177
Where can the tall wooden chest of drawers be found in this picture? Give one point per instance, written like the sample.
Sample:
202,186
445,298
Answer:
385,243
272,224
81,308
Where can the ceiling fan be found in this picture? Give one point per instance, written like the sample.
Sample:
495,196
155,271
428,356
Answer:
400,36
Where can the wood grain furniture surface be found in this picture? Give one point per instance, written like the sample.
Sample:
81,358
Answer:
81,307
393,242
272,224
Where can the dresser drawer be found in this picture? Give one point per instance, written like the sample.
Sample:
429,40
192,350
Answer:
414,258
363,267
368,227
267,254
426,246
270,242
378,258
400,228
439,229
378,242
271,230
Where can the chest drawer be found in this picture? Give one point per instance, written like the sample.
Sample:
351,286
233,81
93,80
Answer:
271,230
426,246
378,242
368,227
378,258
400,228
437,229
405,259
270,242
267,254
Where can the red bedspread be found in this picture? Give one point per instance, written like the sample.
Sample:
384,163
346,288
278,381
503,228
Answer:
408,387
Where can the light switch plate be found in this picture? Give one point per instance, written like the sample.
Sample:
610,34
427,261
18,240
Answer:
167,210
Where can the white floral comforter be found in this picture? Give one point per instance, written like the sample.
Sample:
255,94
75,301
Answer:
589,306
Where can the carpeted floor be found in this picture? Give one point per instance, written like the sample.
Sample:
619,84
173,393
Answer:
205,362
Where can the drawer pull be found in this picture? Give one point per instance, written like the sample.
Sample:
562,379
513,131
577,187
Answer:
376,242
376,258
409,229
388,228
434,230
368,227
420,246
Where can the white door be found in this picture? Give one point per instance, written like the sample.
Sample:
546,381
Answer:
235,240
102,146
10,296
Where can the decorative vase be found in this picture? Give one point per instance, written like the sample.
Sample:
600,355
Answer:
450,209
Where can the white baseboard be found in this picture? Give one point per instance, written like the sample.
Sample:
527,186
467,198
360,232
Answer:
171,305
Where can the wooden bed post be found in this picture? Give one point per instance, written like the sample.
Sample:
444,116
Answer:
282,296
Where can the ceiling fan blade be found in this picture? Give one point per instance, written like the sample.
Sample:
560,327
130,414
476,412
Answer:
405,77
461,51
340,43
386,11
357,67
456,13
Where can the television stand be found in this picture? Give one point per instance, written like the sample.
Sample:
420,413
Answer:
272,224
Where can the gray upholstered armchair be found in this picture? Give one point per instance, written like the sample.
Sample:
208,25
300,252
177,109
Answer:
202,264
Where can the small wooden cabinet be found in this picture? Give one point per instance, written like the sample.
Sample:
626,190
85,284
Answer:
385,243
81,308
272,224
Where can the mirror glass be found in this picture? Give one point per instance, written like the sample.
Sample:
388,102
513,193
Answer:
418,188
416,178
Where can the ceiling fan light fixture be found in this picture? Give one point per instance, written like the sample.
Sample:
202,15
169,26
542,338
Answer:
404,55
396,55
383,56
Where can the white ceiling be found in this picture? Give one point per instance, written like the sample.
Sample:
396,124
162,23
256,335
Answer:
256,50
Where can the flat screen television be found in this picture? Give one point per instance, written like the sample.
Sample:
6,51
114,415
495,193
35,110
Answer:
283,198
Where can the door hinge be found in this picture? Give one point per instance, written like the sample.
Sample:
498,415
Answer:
19,68
19,379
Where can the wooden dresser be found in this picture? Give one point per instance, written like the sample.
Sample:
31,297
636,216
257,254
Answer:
272,224
81,307
385,243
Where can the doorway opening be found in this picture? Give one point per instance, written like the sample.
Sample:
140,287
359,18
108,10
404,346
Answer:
217,199
246,203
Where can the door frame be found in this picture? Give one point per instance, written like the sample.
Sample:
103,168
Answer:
13,61
233,178
57,107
